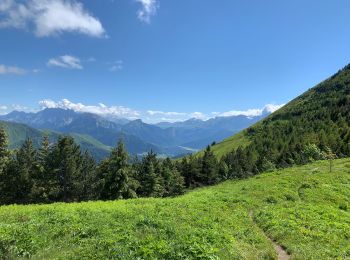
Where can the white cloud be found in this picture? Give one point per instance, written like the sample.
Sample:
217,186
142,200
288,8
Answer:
153,113
3,109
269,108
11,70
100,109
65,61
49,17
116,66
19,107
198,115
149,116
272,107
148,9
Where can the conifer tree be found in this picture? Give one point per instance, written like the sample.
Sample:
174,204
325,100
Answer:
190,169
4,153
209,173
42,179
65,165
6,175
151,181
27,169
172,179
117,179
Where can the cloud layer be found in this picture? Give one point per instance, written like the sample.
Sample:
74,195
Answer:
49,17
65,61
150,116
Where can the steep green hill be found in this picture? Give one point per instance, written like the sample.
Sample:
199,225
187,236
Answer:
18,133
320,116
305,210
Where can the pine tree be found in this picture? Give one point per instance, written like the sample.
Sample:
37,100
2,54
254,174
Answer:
151,181
223,171
27,169
42,180
190,169
65,162
117,184
44,151
4,153
176,184
209,173
6,171
172,179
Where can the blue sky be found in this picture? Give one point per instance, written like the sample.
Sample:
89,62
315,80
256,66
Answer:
167,59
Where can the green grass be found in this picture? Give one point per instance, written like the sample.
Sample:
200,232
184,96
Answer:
305,209
230,144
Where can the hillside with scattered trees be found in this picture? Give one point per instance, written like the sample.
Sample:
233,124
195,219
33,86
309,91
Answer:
314,126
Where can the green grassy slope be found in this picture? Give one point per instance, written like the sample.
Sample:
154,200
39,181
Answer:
229,144
304,209
320,116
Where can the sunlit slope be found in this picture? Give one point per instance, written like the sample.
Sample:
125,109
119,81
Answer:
304,209
320,116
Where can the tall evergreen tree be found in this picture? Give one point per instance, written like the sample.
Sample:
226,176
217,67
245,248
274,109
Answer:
117,184
6,176
151,181
43,181
209,171
27,169
190,169
65,161
172,179
88,182
4,152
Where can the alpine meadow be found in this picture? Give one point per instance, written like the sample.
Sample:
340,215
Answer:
155,129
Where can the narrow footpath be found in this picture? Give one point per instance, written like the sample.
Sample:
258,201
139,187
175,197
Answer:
281,253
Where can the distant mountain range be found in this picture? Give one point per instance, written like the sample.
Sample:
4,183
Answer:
98,134
18,133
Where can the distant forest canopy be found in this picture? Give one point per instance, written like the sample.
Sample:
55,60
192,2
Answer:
314,126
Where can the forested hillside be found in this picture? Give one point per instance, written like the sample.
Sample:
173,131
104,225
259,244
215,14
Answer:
313,126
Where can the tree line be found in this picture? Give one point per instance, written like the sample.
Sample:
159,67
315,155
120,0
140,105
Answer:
62,172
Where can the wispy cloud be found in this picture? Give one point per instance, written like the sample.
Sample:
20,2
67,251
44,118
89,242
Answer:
269,108
100,109
65,61
162,113
11,69
116,66
49,17
19,107
149,8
